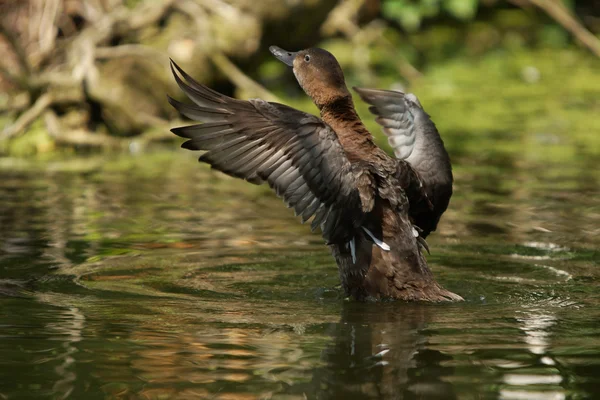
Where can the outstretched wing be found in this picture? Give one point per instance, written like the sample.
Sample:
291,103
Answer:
296,153
415,139
393,110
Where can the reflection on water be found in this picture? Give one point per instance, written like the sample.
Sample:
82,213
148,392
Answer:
67,327
154,278
536,325
377,351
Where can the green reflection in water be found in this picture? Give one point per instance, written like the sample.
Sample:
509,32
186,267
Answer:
153,277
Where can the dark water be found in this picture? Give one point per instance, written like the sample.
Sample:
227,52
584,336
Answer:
150,277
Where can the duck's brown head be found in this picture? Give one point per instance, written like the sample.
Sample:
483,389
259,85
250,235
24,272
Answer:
317,72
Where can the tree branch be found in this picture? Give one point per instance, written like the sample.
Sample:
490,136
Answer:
240,79
18,50
80,137
561,14
14,102
15,79
37,109
28,117
343,19
128,50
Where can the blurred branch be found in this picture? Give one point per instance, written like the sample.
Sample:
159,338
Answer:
373,32
119,21
561,14
193,10
342,19
147,13
80,67
77,136
81,137
37,109
46,26
64,84
138,119
240,79
15,79
15,102
198,15
53,78
17,48
128,50
28,117
156,135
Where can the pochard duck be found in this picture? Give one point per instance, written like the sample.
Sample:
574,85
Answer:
374,210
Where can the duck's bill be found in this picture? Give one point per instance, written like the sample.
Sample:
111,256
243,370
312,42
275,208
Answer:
286,57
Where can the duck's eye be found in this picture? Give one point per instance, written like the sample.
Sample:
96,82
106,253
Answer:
307,58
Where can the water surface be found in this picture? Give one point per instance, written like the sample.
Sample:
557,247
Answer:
152,277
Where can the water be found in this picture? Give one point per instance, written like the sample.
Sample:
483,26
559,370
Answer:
152,277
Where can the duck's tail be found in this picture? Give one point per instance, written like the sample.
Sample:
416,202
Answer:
389,265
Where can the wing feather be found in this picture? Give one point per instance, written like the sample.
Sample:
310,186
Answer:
394,113
297,154
415,141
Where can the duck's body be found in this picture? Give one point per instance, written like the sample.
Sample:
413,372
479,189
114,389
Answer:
369,206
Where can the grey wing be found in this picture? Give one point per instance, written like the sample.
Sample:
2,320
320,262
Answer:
415,139
296,153
394,114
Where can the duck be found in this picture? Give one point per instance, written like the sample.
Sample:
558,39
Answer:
374,210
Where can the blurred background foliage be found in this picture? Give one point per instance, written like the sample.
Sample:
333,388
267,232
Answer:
410,14
84,74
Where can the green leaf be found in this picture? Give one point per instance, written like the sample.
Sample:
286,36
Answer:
430,8
461,9
406,13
